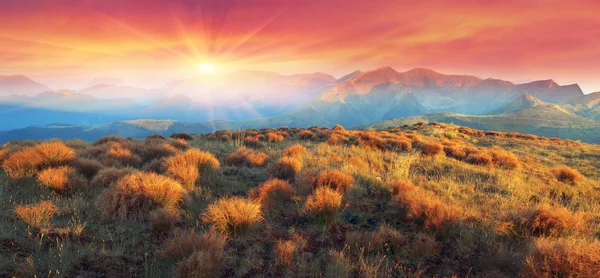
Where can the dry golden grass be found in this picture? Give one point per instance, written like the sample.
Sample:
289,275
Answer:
430,148
401,186
425,207
563,258
39,215
108,176
119,152
185,242
56,179
295,150
233,216
27,162
285,250
286,168
186,175
334,179
164,219
135,195
202,160
307,135
246,157
546,221
567,175
274,137
273,194
324,204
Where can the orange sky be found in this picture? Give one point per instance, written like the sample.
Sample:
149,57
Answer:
67,43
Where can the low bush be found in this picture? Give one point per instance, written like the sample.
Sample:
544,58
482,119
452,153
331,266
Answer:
425,207
274,137
108,176
430,148
296,150
545,221
29,161
183,135
184,243
61,179
273,194
87,167
401,186
164,219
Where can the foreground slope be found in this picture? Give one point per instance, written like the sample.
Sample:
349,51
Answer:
419,201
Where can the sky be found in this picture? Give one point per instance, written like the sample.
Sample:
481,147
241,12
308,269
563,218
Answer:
67,43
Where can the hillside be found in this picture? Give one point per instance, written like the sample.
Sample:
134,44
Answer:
545,120
433,200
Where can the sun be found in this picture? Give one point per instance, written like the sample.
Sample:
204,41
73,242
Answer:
206,68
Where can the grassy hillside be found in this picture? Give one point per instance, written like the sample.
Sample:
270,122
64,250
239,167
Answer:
548,121
417,201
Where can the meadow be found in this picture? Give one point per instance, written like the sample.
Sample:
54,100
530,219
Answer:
425,200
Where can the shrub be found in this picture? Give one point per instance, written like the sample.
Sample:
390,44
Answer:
273,194
425,207
401,186
334,179
285,250
108,176
39,215
567,175
201,264
563,258
88,167
183,135
27,162
61,179
154,149
186,175
399,144
324,203
183,243
545,221
430,148
135,195
296,150
286,168
274,137
109,139
120,153
234,216
164,219
247,157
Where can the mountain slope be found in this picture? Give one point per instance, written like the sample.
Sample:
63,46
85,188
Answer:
20,85
523,102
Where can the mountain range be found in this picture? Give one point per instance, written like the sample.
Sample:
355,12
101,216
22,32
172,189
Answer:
375,98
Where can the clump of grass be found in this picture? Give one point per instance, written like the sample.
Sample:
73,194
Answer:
567,175
187,167
425,207
274,137
307,135
233,216
480,158
285,250
430,148
108,176
401,186
184,243
563,258
286,168
88,167
324,204
61,179
246,157
338,128
546,221
135,195
273,193
27,162
164,219
295,150
182,135
334,179
39,215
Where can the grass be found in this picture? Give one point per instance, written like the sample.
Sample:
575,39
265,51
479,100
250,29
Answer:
431,200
